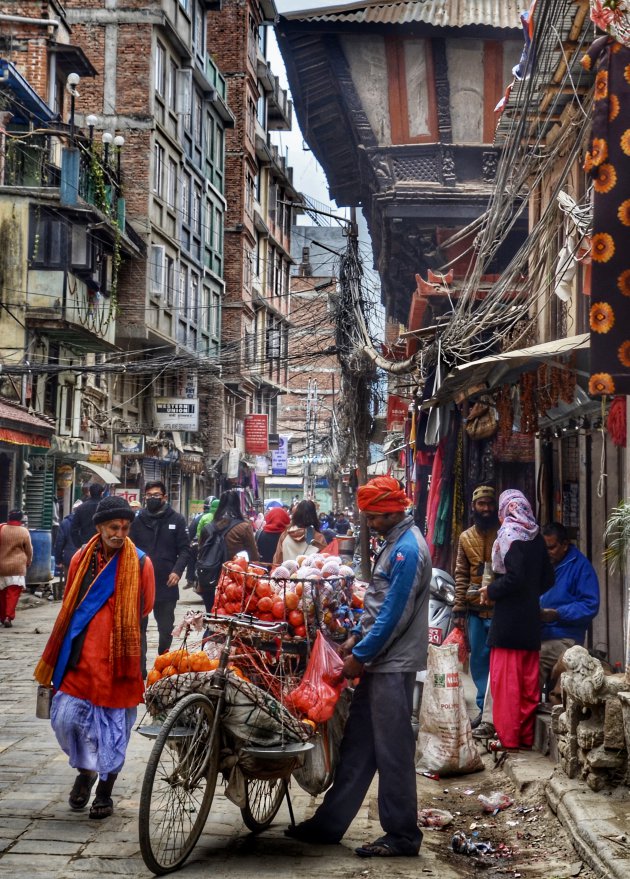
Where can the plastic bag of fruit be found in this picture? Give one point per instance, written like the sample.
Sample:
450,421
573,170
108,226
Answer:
317,694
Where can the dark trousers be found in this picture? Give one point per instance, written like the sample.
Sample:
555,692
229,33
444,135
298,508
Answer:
378,738
164,614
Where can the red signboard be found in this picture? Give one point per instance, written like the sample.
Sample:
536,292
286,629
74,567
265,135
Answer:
397,409
256,434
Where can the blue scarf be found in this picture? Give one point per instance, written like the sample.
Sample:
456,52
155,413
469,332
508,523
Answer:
99,591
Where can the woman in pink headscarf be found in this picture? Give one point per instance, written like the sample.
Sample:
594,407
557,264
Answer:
524,571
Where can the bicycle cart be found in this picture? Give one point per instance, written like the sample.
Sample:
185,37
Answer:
231,717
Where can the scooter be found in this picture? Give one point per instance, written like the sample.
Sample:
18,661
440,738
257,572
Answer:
441,602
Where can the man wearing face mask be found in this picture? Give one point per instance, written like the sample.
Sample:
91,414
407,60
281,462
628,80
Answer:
161,532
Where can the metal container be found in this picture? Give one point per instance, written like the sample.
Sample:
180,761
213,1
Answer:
346,545
39,569
42,705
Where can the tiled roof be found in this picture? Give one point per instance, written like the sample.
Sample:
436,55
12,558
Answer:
22,417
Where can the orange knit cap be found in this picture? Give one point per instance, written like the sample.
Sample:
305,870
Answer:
382,495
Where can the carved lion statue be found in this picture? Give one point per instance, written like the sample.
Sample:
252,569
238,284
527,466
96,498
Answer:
584,678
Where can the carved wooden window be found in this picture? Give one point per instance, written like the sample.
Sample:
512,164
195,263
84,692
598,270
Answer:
411,86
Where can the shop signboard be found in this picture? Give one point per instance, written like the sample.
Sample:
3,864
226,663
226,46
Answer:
129,444
397,408
100,453
261,465
234,457
280,457
256,434
177,413
129,494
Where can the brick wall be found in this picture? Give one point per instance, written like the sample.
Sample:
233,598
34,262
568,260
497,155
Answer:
311,331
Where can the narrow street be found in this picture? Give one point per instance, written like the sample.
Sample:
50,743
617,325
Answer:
41,837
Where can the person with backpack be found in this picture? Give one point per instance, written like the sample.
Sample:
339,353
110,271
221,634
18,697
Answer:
302,537
228,533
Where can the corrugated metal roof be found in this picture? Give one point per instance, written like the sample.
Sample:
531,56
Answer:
440,13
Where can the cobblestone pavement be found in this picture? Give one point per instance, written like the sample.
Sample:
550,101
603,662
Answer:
41,837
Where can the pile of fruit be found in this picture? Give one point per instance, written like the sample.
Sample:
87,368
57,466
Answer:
317,591
178,662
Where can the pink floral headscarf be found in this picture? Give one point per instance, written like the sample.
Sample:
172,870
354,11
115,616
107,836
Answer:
518,524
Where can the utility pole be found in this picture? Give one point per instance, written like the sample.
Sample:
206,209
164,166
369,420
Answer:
362,440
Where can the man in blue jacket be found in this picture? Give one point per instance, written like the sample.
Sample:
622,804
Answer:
161,532
569,606
384,651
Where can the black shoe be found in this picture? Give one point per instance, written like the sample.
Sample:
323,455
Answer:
474,723
303,833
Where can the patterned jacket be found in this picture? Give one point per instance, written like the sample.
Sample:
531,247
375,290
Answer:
473,550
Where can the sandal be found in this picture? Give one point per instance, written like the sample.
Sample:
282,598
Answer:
102,807
82,790
380,850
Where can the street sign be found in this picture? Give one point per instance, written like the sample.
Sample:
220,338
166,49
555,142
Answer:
177,413
256,434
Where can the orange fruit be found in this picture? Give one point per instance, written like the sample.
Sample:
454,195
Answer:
265,605
277,609
153,676
162,661
291,600
296,618
169,671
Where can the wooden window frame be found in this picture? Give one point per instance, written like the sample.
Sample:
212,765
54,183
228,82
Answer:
398,97
493,86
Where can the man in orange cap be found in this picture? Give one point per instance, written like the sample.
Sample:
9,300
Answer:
385,650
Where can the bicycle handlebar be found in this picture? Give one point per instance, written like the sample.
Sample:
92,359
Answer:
246,621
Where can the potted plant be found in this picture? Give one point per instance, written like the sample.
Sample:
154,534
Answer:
617,535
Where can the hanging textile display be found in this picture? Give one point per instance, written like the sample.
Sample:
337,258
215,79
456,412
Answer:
608,162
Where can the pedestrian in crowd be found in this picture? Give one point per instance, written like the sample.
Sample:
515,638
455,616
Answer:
572,602
191,569
302,537
474,552
161,532
342,523
92,658
64,547
235,530
385,651
208,515
16,554
276,521
82,525
521,561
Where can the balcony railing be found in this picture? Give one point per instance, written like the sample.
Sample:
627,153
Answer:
37,162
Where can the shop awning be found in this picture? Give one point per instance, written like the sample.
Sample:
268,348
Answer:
106,475
490,372
19,426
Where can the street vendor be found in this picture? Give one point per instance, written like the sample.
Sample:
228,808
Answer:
92,658
385,652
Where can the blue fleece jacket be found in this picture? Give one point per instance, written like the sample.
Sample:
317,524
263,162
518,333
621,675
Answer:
575,595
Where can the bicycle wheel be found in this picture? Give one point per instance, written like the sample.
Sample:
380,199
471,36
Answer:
264,798
178,785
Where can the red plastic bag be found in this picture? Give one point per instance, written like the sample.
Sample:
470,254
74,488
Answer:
459,638
316,696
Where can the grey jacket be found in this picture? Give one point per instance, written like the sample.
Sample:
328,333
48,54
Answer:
394,624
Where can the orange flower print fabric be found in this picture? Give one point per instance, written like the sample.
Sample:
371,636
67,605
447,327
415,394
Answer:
608,163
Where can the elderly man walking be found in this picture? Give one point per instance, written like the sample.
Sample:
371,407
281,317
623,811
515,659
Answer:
385,651
92,658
